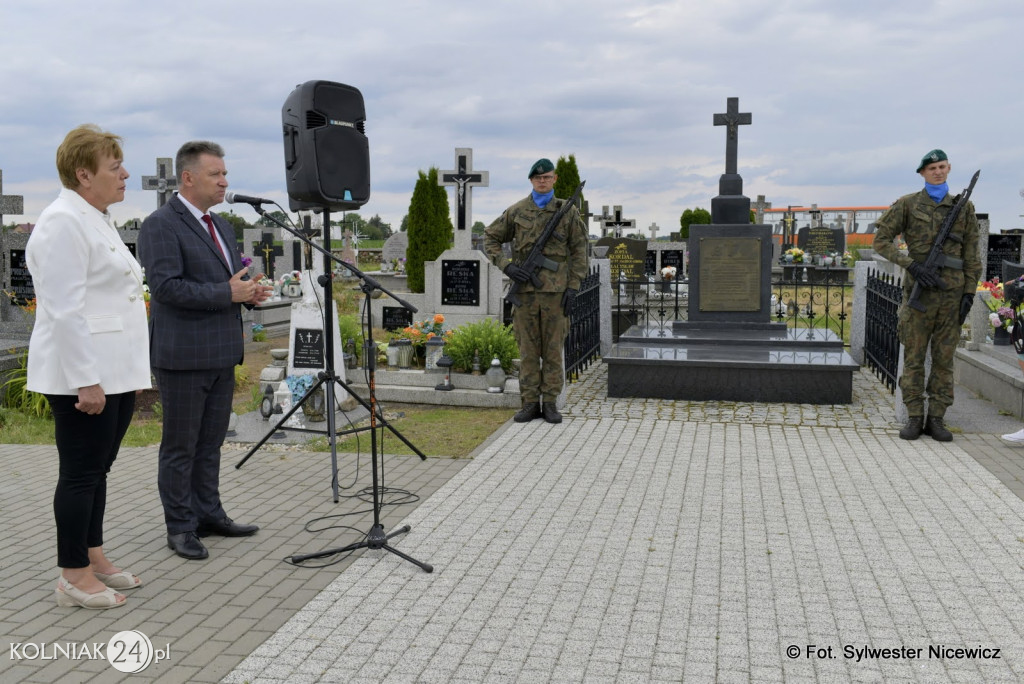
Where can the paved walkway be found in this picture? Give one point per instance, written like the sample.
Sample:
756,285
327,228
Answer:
641,540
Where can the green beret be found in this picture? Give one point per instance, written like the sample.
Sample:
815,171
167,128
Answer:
541,166
931,158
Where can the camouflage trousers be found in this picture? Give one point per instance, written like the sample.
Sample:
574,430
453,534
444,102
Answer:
937,329
540,328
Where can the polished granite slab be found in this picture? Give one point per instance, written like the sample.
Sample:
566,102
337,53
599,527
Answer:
769,334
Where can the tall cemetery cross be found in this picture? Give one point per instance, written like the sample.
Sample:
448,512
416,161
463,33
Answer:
269,251
464,178
586,215
603,220
654,231
732,119
9,204
759,208
164,182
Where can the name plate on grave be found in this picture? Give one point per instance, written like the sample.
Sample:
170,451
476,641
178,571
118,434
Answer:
308,351
460,282
730,274
396,317
1001,247
20,279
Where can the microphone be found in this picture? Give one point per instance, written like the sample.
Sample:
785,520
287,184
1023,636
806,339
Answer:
233,197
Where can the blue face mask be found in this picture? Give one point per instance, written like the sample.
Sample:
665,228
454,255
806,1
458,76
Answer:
937,192
542,200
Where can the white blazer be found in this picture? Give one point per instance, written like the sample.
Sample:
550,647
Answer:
90,325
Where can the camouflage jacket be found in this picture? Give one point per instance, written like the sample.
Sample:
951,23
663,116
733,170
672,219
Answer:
918,218
522,224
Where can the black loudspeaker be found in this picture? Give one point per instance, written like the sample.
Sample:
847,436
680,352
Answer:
326,153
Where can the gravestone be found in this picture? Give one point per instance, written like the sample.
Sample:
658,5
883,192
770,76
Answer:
460,282
654,231
819,241
729,348
759,206
651,262
395,317
627,257
464,179
164,182
675,258
1000,247
266,250
349,253
394,248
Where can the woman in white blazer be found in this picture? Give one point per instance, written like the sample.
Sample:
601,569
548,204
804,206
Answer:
89,354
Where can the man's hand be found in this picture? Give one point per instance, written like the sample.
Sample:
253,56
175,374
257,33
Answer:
91,400
242,290
966,302
520,275
568,301
263,292
928,277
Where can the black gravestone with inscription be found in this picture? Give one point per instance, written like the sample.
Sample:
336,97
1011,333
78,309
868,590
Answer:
395,317
821,241
1001,247
627,256
460,282
673,257
20,279
650,262
308,351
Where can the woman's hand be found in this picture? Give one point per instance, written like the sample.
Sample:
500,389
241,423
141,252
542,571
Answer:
91,400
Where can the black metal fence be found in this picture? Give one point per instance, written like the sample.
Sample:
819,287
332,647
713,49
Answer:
583,344
881,342
824,299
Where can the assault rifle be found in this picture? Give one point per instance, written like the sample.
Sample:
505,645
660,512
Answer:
936,257
536,260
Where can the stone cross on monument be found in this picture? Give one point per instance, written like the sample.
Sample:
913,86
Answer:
732,119
268,250
9,204
464,178
586,215
615,222
654,231
730,207
164,182
602,219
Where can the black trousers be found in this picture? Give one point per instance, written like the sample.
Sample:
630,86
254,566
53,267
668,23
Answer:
87,446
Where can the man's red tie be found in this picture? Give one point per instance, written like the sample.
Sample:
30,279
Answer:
213,236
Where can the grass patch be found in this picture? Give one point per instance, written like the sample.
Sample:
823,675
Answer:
24,428
452,432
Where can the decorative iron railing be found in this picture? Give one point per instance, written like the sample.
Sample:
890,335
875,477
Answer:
881,342
583,343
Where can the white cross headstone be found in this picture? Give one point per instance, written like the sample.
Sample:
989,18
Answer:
654,231
464,179
759,206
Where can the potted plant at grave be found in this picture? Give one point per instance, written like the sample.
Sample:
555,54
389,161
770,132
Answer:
1001,317
419,332
668,274
793,255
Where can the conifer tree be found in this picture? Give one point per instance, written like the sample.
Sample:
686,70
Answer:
429,226
568,178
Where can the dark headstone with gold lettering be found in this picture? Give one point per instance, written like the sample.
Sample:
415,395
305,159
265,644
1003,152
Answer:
627,256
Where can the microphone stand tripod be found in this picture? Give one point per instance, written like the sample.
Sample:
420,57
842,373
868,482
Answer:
376,538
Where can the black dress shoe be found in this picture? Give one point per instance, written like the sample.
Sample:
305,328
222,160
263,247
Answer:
187,545
226,527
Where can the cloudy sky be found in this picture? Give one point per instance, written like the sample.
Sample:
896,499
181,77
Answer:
845,97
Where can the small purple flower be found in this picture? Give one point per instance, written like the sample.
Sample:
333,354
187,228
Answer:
246,261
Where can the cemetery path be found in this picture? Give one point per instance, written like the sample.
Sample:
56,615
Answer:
641,540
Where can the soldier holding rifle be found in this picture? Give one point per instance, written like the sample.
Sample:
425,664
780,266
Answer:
943,267
543,295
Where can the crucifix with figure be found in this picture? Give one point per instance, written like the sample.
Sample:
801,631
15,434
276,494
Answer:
464,178
268,250
164,182
732,120
615,222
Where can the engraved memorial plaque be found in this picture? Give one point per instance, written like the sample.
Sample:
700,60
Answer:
309,348
20,278
730,274
396,317
460,282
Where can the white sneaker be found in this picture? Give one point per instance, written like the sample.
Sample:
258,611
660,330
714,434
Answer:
1016,437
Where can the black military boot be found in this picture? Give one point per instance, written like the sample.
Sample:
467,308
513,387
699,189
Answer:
529,411
551,413
938,431
913,428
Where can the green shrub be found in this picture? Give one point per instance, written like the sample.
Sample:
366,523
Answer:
350,328
17,396
489,337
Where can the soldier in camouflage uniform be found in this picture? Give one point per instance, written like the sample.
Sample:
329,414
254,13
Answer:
541,322
917,217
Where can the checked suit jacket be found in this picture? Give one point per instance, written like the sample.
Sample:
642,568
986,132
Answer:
193,324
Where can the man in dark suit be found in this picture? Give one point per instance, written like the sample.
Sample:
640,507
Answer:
197,287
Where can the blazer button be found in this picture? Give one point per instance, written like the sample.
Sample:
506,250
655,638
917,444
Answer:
132,298
113,248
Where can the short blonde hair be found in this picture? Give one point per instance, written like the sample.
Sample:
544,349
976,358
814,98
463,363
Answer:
82,149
